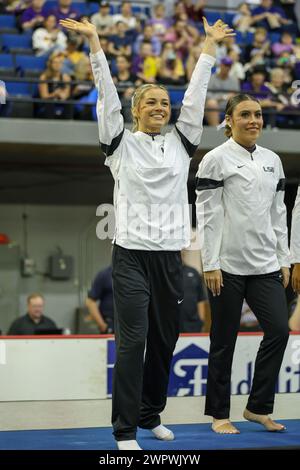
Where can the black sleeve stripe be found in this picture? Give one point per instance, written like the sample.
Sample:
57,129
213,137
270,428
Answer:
189,147
206,183
281,184
109,149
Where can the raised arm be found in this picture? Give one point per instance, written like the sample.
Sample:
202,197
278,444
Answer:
110,120
190,121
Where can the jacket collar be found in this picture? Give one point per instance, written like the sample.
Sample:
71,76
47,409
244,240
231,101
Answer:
239,148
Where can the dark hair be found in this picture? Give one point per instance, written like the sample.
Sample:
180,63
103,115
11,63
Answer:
232,104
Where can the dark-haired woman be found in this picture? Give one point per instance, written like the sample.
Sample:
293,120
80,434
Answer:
241,213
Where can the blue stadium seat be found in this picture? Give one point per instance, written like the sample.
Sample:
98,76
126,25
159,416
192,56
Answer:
136,9
228,17
16,41
6,61
212,16
25,62
274,37
244,38
7,21
7,66
176,96
18,89
50,4
81,7
93,8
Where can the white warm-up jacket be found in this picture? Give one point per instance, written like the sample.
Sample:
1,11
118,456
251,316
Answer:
150,172
240,210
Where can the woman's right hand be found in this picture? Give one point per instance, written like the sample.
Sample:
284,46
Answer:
85,27
214,281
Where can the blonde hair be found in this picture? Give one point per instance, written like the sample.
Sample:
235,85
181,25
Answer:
136,99
34,295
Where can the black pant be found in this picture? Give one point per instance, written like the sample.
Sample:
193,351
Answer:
147,286
266,297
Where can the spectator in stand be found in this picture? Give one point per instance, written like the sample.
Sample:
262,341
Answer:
105,46
58,88
83,72
145,65
289,7
64,10
33,16
120,43
243,21
34,320
193,56
220,88
148,35
270,17
103,20
124,79
183,36
48,38
126,82
237,69
256,87
159,21
194,10
16,6
73,55
171,69
126,16
178,10
259,52
281,91
286,44
100,301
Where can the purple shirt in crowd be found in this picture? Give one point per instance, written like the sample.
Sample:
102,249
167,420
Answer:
262,94
30,13
71,13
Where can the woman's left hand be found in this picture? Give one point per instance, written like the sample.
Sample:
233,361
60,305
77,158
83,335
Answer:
285,276
218,31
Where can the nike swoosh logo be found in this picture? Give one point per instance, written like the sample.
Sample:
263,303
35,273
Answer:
240,166
179,301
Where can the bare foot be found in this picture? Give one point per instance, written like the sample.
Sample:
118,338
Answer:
265,420
224,426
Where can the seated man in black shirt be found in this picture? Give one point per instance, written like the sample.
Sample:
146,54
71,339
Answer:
194,305
34,320
100,301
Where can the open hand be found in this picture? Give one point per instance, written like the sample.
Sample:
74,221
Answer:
218,31
82,27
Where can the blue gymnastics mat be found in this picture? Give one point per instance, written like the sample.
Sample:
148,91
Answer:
187,437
